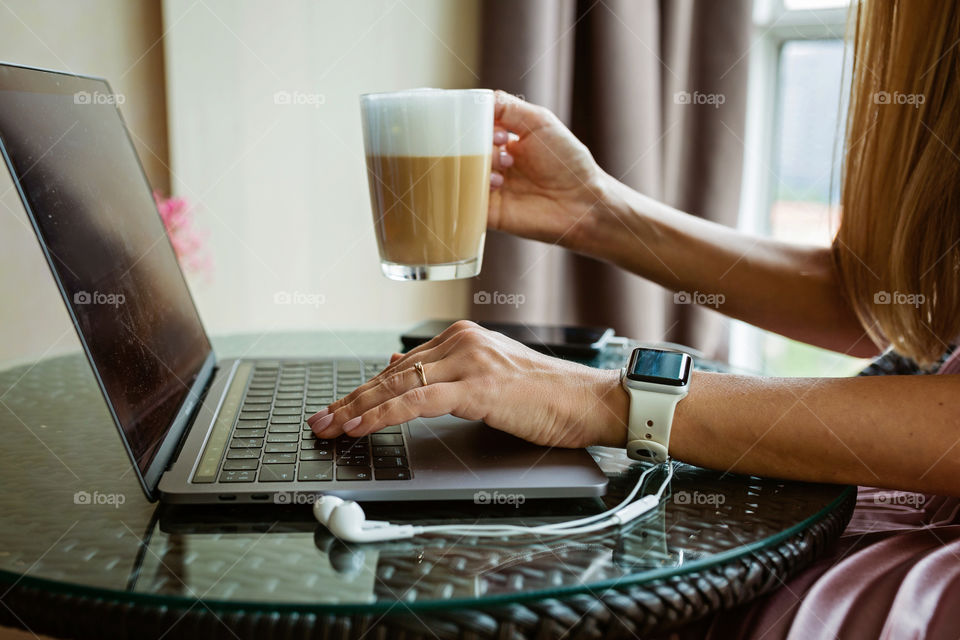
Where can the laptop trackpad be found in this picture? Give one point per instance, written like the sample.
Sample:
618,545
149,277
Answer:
461,453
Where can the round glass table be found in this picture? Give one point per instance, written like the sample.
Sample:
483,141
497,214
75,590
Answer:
84,554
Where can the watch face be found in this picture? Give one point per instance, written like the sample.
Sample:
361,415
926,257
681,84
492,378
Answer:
660,367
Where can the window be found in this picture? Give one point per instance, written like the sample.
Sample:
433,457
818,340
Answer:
796,102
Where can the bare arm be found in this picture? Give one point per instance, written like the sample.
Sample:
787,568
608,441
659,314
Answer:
789,289
550,189
890,431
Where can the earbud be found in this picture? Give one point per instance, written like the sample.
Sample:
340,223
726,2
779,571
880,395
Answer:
346,520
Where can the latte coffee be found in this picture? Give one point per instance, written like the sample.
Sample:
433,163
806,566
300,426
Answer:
428,164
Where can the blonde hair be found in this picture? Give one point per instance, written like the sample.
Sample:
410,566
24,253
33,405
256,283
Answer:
897,249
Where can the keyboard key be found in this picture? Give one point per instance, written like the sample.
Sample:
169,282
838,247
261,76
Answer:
393,474
243,454
256,404
246,443
260,393
239,465
353,473
394,429
316,454
238,476
288,403
285,428
280,447
279,458
290,396
282,437
314,470
286,419
386,440
249,433
254,415
353,461
252,424
388,451
287,411
382,462
277,473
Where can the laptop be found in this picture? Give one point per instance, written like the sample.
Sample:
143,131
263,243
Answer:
198,429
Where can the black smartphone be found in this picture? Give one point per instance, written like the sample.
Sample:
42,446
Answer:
573,342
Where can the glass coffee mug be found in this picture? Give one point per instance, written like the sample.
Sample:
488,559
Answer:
428,164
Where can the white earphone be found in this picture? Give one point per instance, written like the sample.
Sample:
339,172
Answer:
346,520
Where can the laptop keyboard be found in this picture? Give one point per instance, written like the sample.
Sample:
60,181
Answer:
271,441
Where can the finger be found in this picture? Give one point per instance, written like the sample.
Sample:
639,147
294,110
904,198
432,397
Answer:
422,402
501,159
500,136
389,387
396,364
517,115
496,180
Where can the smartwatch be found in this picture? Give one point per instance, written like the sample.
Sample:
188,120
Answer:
656,380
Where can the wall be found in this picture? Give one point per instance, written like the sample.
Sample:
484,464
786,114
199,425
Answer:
111,38
280,189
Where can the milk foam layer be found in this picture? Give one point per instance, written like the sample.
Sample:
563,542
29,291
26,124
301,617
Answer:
428,122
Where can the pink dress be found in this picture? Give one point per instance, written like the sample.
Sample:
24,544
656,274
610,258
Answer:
894,573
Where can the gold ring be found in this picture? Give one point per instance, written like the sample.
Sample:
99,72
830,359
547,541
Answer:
420,372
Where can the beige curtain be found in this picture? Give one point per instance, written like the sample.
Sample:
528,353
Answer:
617,71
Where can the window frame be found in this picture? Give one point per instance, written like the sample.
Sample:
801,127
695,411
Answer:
773,26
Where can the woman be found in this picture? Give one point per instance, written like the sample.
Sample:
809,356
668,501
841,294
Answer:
900,233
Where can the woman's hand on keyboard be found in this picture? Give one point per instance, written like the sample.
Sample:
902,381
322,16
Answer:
478,374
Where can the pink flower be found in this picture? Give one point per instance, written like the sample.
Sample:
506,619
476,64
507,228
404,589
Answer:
188,243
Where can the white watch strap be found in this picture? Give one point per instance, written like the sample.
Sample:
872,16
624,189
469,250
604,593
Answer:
651,416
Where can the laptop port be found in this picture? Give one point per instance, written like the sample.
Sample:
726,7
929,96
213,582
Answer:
226,497
261,496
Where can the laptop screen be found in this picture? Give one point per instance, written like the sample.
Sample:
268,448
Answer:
81,181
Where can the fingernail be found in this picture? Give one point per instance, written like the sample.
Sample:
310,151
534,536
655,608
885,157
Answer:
500,137
352,424
322,423
506,160
318,415
496,180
